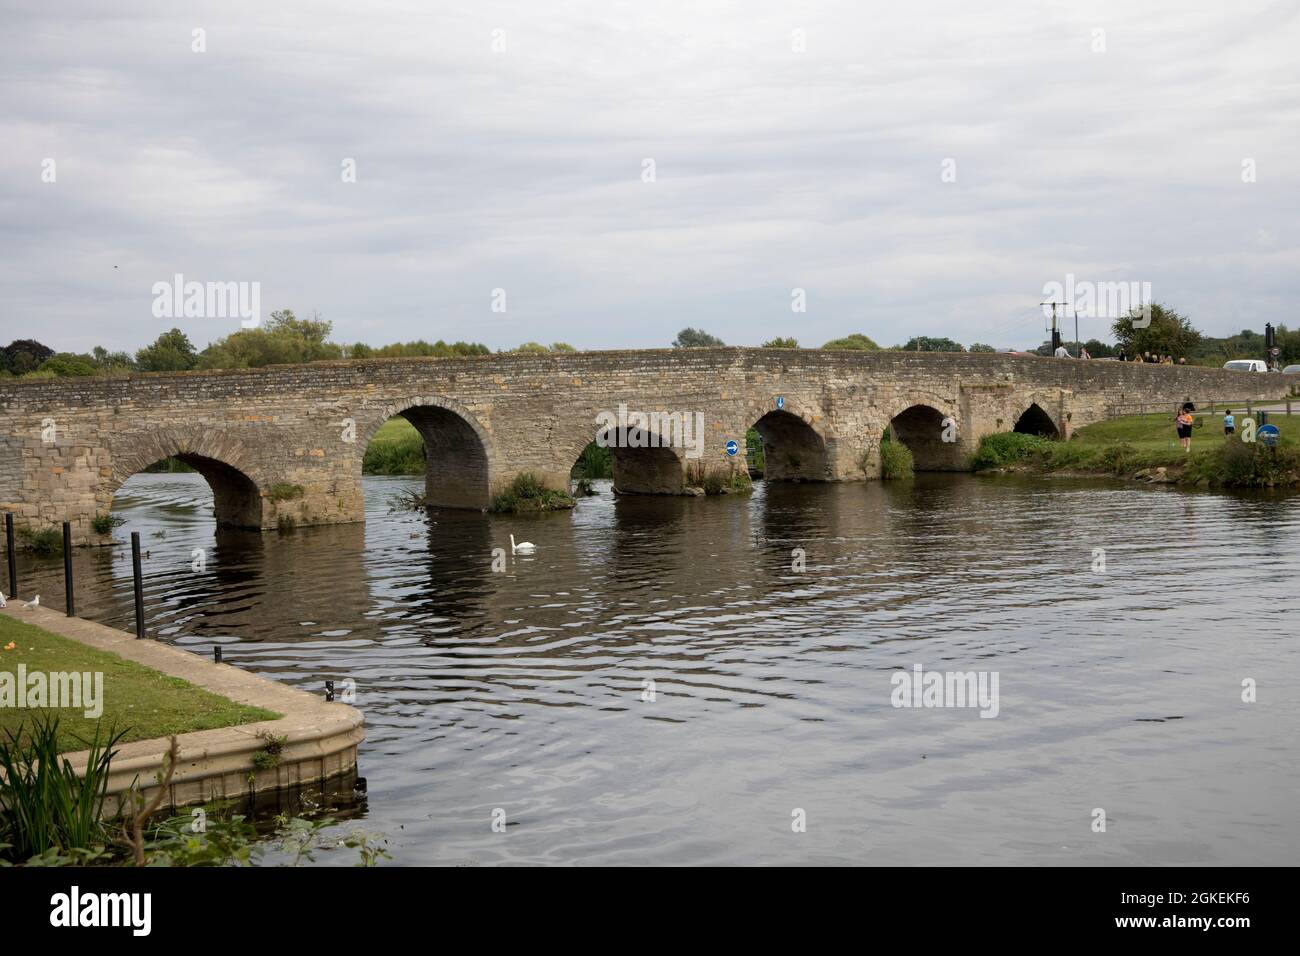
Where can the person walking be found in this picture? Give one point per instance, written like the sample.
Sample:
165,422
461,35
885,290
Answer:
1083,352
1184,423
1229,422
1061,352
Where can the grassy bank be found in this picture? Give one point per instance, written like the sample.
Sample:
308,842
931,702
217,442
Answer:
396,449
140,701
1140,446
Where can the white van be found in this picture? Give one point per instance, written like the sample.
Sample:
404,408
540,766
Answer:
1246,365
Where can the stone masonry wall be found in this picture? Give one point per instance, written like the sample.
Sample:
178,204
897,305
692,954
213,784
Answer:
288,441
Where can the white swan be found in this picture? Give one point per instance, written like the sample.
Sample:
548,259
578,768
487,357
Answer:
3,602
523,547
35,602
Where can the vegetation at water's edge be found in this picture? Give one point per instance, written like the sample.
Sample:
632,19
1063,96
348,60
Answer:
396,449
895,460
143,702
105,523
1136,445
527,494
594,463
47,541
53,815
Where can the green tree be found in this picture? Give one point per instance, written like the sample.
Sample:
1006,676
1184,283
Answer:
924,343
1099,349
106,361
780,343
66,364
855,341
1168,334
981,347
284,340
689,338
170,352
25,355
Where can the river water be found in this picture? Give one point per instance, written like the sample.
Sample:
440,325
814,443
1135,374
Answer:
656,685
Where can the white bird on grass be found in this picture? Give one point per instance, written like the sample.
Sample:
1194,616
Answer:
523,547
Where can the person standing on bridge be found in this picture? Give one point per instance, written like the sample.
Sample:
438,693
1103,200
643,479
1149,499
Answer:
1062,352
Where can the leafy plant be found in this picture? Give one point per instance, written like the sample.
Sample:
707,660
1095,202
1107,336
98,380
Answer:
44,804
895,461
105,523
285,492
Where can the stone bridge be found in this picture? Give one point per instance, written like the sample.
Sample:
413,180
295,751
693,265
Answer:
287,443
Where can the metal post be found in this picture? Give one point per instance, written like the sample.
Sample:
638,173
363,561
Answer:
216,653
9,547
139,584
68,590
329,690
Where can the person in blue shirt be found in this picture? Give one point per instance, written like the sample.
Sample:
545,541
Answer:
1229,423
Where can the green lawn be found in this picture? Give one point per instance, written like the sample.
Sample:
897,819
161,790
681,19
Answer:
1154,434
147,703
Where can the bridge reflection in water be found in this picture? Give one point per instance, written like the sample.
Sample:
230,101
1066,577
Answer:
525,689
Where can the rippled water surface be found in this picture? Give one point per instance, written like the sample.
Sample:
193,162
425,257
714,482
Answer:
523,690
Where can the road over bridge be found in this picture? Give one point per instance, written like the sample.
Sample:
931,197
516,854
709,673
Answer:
287,442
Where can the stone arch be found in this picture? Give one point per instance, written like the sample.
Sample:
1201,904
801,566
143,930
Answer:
920,426
457,450
645,461
1034,420
793,450
228,469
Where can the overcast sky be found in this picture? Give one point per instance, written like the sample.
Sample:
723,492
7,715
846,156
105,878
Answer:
522,169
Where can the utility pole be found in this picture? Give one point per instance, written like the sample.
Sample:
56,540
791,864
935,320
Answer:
1056,332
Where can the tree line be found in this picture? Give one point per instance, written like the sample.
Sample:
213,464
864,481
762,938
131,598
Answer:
286,339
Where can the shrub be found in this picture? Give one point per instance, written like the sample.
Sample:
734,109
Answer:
528,493
46,541
895,460
1007,448
104,524
1239,464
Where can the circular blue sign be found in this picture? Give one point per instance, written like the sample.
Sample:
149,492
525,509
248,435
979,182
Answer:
1268,434
780,401
732,448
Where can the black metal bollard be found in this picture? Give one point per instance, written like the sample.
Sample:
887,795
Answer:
216,654
329,690
9,548
139,584
68,590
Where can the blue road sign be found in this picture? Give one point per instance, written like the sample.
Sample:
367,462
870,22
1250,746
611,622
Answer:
733,449
780,401
1268,434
